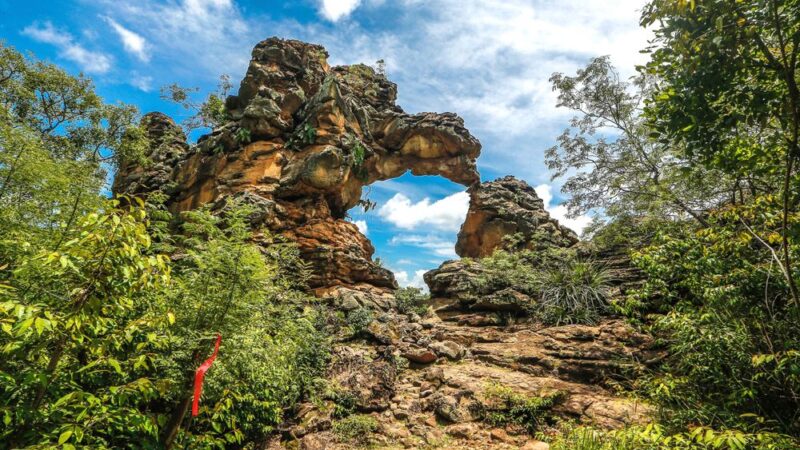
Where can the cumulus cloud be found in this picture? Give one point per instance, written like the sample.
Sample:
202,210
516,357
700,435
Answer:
362,226
142,82
446,214
559,212
90,61
334,10
490,61
430,242
404,280
131,41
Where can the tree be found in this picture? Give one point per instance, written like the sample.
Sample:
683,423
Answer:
728,94
209,113
57,140
82,337
621,168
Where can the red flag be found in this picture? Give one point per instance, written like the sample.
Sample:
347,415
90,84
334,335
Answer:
201,373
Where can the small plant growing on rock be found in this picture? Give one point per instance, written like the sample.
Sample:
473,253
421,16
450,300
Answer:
411,300
574,292
355,429
504,407
344,403
242,136
359,319
305,136
308,133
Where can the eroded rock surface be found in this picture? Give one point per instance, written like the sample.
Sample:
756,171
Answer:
436,401
301,141
508,208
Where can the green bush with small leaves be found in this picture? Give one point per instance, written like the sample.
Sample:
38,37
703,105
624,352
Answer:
504,407
655,437
411,300
355,429
359,319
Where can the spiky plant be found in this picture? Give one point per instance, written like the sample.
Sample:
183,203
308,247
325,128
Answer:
574,292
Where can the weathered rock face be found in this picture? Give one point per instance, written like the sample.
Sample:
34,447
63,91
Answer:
508,207
167,149
302,140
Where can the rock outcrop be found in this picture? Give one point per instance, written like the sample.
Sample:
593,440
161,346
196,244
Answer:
439,399
505,209
301,140
503,214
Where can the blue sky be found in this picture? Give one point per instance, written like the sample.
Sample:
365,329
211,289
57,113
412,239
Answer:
487,60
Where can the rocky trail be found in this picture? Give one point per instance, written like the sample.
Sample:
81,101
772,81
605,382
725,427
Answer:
436,400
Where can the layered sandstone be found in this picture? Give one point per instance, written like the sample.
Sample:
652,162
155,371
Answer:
508,213
301,142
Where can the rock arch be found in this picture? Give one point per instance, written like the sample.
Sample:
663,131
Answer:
301,141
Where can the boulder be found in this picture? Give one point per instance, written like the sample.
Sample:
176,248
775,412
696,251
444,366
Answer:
508,207
448,349
360,374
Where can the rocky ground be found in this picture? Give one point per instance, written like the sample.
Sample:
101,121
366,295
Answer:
435,401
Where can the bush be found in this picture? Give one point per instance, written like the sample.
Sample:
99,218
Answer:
359,319
504,407
355,429
655,437
573,292
411,300
731,333
520,269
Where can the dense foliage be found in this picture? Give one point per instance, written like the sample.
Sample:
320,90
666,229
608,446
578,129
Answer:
700,178
108,306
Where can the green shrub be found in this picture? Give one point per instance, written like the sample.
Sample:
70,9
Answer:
573,292
355,429
731,332
411,300
344,403
242,136
359,319
504,407
655,437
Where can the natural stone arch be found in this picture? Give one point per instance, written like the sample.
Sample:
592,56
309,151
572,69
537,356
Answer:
317,136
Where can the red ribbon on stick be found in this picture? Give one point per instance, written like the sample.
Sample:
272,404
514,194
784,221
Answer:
200,374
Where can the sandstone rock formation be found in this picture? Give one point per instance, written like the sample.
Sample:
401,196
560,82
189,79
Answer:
508,208
503,214
437,402
301,141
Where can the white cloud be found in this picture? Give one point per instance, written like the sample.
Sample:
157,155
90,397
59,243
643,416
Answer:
446,214
432,243
133,42
334,10
142,82
416,281
89,61
559,212
206,37
362,226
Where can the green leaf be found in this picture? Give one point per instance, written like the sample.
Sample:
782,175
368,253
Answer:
115,364
64,436
24,325
39,324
